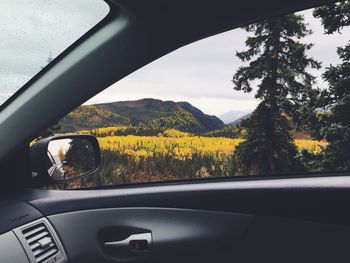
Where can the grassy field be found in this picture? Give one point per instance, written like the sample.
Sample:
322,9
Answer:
178,148
177,144
184,147
170,155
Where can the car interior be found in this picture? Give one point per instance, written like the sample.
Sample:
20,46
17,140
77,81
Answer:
295,218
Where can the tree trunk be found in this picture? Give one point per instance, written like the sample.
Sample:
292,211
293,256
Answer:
272,103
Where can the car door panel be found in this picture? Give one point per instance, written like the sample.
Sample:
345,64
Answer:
275,220
175,232
285,240
297,198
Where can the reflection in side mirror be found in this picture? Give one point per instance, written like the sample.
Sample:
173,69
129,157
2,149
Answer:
64,158
70,158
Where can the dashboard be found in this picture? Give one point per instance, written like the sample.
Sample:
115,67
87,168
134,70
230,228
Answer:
27,237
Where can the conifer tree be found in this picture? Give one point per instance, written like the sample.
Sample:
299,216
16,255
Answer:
334,16
277,63
334,126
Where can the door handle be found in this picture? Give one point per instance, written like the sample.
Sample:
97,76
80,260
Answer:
135,242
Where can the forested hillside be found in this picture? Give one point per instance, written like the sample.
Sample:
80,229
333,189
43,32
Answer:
153,114
90,116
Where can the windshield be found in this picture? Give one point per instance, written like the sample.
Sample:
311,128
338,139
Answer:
34,32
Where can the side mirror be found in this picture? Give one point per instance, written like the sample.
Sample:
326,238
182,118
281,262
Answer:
61,159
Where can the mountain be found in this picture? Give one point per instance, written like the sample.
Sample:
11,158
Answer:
153,113
238,120
231,116
90,116
208,121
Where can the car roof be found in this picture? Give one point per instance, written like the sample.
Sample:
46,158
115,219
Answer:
132,35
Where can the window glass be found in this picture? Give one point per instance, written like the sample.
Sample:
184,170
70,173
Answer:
34,32
271,98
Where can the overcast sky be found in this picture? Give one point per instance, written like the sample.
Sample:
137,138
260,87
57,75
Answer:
199,73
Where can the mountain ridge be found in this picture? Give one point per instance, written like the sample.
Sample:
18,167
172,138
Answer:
243,117
154,113
232,116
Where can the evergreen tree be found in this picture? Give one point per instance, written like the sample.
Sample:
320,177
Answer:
335,125
267,131
334,16
80,155
278,63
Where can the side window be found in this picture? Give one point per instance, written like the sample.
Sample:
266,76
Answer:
271,98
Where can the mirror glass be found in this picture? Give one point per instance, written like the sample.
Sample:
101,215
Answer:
70,158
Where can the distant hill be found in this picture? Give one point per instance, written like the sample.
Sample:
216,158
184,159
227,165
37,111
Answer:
238,120
209,122
147,112
89,117
232,116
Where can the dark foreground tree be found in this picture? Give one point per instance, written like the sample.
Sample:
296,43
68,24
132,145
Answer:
334,16
80,156
335,123
267,131
278,64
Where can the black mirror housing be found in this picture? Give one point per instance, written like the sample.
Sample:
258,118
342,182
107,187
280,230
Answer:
63,158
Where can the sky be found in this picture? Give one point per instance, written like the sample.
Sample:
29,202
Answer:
199,73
